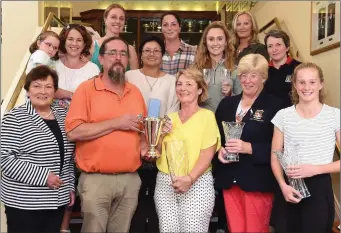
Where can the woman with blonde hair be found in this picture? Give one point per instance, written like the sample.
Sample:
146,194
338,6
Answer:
185,203
314,127
245,41
215,56
248,184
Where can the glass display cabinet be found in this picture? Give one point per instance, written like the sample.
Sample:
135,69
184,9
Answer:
143,23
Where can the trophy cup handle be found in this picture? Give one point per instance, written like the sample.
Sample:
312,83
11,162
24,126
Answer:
140,119
164,120
140,131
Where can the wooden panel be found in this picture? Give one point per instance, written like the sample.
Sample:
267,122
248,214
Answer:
65,14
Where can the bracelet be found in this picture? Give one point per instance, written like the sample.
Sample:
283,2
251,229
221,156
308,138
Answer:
192,179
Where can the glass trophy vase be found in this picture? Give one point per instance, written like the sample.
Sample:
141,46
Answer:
177,158
232,130
291,157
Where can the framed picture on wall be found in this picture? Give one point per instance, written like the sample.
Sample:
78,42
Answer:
54,10
325,26
65,14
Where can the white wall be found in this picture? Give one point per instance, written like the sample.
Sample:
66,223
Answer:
19,24
296,16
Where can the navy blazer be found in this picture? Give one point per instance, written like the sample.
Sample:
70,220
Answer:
252,172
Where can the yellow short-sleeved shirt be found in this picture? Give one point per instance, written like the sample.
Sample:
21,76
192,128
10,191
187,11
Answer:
199,132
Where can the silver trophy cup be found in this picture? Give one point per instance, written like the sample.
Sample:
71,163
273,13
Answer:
152,129
232,130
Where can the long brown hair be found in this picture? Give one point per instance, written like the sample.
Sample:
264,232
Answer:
305,65
202,57
42,36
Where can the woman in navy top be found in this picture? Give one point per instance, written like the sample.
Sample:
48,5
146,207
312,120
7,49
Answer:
281,65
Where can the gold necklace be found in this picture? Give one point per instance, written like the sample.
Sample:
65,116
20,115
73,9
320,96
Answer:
150,86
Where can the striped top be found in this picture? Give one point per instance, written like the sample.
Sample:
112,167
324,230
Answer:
182,59
316,136
29,151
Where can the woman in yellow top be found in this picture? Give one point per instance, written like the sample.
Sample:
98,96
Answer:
185,203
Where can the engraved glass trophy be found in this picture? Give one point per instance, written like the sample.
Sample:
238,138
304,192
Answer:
291,157
232,130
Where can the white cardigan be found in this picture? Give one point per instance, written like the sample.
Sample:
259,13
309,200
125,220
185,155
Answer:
29,151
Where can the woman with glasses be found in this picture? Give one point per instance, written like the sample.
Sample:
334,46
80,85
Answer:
248,184
114,19
155,85
37,163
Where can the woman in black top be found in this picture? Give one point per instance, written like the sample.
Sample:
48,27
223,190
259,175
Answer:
36,159
248,185
281,66
245,31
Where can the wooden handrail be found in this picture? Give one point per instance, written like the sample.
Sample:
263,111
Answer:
20,84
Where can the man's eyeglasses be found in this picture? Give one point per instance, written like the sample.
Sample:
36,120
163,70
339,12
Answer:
148,52
114,52
50,45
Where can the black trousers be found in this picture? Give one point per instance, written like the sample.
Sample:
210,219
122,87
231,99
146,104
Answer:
34,221
220,207
145,210
311,214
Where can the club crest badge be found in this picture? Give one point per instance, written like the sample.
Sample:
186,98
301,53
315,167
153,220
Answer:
288,79
258,115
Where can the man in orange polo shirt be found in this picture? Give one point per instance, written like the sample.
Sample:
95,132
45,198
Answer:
103,120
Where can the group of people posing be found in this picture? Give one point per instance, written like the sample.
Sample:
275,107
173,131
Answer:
81,113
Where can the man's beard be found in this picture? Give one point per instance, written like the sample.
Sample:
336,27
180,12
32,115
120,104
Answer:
116,74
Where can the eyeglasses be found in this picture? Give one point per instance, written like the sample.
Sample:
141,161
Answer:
50,45
250,76
114,52
148,52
